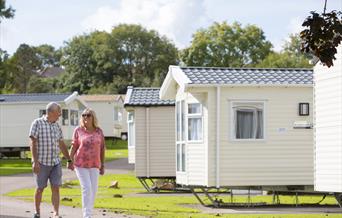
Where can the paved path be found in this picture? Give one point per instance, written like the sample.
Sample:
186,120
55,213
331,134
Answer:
14,208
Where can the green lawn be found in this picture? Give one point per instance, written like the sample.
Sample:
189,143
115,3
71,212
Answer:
115,149
163,206
14,166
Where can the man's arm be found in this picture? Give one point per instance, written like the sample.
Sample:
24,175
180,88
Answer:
33,148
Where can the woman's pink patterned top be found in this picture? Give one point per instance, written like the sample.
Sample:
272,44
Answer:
89,146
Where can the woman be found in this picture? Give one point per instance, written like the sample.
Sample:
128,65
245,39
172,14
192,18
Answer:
88,154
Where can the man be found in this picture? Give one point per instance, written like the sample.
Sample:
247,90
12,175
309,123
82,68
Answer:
46,141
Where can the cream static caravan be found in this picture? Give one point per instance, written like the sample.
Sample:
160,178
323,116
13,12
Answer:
151,134
17,111
328,127
110,113
242,128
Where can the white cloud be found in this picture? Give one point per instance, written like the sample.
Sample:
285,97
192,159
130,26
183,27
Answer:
177,19
295,25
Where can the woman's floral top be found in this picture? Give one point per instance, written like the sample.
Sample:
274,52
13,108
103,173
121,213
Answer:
89,146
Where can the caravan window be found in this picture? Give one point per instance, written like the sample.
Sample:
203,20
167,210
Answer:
180,136
195,132
117,114
131,132
65,117
248,120
74,117
42,112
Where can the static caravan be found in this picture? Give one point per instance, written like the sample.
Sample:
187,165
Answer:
17,111
328,127
110,113
151,134
242,128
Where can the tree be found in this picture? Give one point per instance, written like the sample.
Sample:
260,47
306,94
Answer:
224,45
141,56
48,56
289,57
108,62
38,84
322,34
24,64
284,60
79,65
4,67
5,13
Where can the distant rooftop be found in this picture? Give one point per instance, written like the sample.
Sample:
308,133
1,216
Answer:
102,97
262,76
34,97
51,71
139,96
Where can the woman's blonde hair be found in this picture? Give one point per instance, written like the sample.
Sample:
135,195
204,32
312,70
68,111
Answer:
92,112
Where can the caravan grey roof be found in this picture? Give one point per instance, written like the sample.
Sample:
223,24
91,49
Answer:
33,97
246,76
145,97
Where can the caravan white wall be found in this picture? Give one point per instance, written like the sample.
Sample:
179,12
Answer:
105,114
154,139
16,119
328,126
284,157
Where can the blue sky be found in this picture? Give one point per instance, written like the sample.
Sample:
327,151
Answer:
54,22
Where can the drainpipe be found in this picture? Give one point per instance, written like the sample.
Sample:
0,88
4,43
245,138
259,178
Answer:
218,118
148,141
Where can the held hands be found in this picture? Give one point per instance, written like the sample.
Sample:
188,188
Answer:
102,170
35,167
70,165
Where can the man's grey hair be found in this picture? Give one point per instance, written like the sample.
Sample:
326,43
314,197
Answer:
53,106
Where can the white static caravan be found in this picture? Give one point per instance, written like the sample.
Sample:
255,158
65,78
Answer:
151,133
242,128
17,111
328,126
110,113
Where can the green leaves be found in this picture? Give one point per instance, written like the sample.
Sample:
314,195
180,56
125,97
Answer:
224,45
5,12
322,34
107,62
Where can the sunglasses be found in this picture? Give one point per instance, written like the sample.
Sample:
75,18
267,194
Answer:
86,115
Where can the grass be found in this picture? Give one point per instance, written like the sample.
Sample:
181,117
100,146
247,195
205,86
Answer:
14,166
163,206
115,149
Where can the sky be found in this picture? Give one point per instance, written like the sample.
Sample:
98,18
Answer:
54,22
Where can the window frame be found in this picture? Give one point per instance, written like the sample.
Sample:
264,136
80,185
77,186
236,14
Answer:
251,103
75,120
131,137
118,112
65,122
41,112
180,138
191,116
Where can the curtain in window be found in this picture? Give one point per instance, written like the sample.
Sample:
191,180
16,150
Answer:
183,157
249,123
195,129
183,120
244,124
260,125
